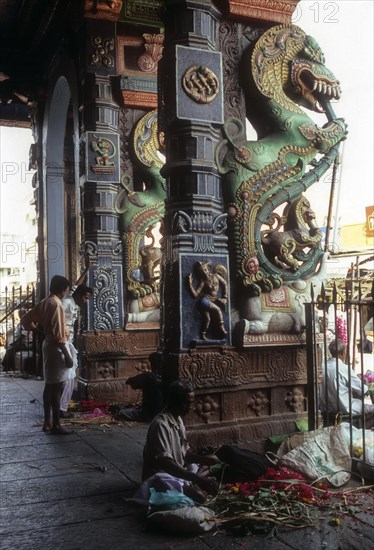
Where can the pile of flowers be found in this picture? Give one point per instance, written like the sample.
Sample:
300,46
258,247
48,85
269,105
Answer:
283,480
280,497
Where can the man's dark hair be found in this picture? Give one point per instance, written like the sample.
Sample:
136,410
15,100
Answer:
337,348
177,393
58,284
81,290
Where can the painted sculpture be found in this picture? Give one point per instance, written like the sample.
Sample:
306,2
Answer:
273,250
140,212
282,309
211,296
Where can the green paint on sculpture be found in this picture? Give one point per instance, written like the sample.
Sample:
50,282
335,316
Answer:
140,211
287,71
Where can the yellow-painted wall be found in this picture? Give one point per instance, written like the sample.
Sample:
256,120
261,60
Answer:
353,237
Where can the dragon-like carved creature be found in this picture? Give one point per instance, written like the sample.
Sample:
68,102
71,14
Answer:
287,73
139,213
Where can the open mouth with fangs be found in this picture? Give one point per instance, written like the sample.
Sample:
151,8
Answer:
317,87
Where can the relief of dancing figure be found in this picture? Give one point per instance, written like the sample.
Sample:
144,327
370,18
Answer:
211,295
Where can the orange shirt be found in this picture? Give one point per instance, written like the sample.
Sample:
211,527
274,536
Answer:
50,315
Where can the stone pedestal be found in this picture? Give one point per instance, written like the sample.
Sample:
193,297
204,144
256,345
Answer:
244,396
109,358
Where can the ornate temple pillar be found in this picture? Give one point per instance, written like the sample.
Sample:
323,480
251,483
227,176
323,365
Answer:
195,315
115,94
99,179
99,176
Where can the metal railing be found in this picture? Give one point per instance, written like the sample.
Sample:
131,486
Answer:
19,348
342,389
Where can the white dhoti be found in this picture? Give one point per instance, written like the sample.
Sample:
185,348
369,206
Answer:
54,366
69,384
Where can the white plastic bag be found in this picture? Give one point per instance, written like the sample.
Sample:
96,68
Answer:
323,455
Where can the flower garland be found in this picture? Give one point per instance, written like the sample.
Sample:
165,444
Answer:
341,327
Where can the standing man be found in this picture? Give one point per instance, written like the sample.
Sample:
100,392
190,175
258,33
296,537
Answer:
57,360
78,296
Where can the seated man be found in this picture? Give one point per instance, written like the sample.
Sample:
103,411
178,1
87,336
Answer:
150,382
21,341
341,387
169,462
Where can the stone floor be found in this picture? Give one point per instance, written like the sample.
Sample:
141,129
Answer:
69,492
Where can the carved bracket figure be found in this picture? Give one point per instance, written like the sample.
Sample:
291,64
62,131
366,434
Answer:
275,254
287,72
140,212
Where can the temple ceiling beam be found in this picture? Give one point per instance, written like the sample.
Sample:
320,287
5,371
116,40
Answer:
271,11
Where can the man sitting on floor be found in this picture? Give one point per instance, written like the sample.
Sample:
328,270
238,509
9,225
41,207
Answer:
150,382
169,462
341,388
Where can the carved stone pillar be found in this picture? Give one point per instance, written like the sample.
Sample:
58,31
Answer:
119,84
191,112
257,389
100,176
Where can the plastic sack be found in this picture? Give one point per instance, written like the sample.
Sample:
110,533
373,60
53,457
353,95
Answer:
323,455
366,468
167,500
190,520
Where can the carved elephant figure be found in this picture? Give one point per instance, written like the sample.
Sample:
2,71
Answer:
281,310
144,309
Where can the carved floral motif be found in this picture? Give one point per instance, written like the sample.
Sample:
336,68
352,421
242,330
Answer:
286,365
200,84
206,407
295,400
106,307
231,51
92,249
212,369
106,342
106,390
101,55
153,46
258,402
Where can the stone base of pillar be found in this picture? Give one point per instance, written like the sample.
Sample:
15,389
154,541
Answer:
247,434
243,396
109,358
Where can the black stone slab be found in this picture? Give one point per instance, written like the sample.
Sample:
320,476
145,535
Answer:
105,534
62,487
32,436
34,469
126,453
55,447
18,519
